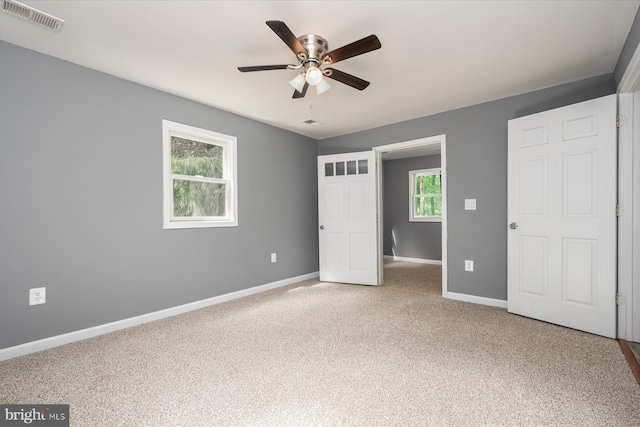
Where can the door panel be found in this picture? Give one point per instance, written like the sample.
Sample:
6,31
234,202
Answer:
334,196
360,243
333,249
562,196
347,218
534,183
579,278
358,201
533,266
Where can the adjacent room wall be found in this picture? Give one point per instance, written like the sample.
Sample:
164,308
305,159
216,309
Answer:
401,238
81,201
476,168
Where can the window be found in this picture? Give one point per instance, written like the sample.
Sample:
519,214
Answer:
200,177
361,169
425,201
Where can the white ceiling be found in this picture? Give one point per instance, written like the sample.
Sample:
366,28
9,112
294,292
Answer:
435,55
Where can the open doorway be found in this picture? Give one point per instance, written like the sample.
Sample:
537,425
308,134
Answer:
412,218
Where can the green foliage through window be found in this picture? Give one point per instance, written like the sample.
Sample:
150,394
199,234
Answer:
197,198
427,195
196,158
192,198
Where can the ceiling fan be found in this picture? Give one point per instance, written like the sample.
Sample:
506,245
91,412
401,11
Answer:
312,52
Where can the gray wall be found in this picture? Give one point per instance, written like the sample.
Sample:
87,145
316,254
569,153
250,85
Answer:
81,201
629,48
421,240
476,156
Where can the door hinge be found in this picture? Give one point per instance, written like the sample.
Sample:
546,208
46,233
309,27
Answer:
617,210
620,121
620,299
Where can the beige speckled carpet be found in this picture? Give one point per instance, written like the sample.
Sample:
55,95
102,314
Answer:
412,276
323,354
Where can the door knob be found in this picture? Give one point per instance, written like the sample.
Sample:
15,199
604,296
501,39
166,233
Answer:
322,227
513,226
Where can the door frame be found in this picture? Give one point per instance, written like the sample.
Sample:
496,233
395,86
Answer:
629,219
379,150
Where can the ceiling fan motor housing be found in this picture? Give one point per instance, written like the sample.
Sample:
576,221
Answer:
316,47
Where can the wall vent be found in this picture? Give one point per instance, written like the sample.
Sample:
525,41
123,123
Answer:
32,15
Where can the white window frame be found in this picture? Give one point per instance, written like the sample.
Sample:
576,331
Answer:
230,176
412,186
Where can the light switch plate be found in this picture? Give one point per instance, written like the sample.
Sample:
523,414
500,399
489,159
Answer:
469,204
468,265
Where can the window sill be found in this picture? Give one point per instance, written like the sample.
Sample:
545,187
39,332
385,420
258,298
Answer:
434,219
176,225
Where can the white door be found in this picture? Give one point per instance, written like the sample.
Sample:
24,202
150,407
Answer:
562,199
347,218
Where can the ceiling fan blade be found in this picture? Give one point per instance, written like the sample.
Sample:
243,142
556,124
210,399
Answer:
347,79
297,94
356,48
281,29
263,68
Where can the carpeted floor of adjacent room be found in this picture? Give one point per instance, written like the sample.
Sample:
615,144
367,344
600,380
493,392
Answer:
326,354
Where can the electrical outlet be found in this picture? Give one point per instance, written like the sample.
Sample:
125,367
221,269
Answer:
468,265
37,296
469,204
274,257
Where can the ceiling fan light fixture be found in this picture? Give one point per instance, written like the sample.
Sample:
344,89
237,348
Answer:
322,87
298,82
313,76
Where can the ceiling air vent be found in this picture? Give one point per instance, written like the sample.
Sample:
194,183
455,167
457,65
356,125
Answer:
32,15
311,122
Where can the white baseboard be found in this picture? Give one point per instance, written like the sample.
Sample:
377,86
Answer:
476,300
416,260
58,340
